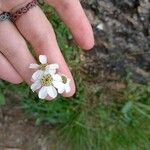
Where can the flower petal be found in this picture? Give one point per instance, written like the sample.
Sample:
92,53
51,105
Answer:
52,91
61,90
43,92
59,86
67,87
33,66
35,86
54,66
37,75
49,71
57,77
43,59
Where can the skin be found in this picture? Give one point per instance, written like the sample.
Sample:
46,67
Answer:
33,26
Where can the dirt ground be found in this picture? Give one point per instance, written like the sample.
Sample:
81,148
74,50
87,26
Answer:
122,33
18,133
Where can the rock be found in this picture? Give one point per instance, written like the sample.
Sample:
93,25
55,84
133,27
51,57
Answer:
122,36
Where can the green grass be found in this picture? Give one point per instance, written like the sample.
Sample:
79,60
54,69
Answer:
93,118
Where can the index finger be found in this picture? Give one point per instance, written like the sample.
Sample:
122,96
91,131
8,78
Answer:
74,17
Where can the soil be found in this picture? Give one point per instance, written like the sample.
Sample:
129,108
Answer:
17,132
122,33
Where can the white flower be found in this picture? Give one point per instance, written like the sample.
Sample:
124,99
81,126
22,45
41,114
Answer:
62,83
47,81
42,60
45,84
43,67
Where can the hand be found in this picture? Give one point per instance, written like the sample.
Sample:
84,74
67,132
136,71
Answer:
15,57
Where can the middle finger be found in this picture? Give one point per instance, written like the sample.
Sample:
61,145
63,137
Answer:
35,27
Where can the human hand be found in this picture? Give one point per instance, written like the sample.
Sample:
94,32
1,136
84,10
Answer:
33,26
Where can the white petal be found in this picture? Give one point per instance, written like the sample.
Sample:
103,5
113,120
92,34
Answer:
34,66
43,93
67,88
54,66
61,90
37,75
49,71
57,77
35,86
43,59
52,92
52,71
59,86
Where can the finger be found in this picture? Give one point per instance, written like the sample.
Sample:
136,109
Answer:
7,5
14,48
7,72
35,27
74,17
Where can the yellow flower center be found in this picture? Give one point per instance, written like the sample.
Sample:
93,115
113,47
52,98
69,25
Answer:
64,79
42,67
46,80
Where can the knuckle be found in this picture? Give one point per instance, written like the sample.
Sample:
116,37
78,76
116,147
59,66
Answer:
63,4
7,5
40,40
11,50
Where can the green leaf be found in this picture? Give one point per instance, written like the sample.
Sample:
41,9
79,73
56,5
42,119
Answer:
127,107
2,99
142,112
38,121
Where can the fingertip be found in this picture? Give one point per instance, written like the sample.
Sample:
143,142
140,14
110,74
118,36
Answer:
16,80
75,18
88,44
67,95
72,92
84,35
